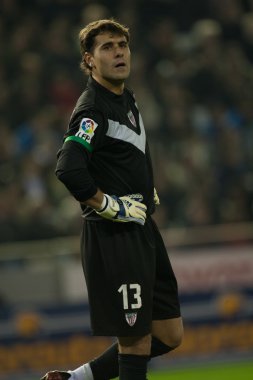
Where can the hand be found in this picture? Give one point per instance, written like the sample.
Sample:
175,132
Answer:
156,198
123,209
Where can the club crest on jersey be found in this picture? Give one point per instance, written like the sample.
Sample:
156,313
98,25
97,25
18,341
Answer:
131,318
87,129
131,117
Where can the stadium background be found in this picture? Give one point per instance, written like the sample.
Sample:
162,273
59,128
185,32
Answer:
192,71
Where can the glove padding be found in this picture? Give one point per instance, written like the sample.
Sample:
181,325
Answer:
123,209
156,197
57,375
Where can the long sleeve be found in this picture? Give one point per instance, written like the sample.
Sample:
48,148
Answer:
72,171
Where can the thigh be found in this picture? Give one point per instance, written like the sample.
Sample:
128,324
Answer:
119,266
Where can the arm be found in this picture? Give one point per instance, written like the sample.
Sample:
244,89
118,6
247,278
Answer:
72,171
96,201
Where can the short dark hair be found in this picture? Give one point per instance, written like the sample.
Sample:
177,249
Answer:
88,34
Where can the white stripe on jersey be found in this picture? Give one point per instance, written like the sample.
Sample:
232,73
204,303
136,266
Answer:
122,132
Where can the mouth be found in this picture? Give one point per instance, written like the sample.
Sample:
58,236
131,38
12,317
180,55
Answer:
120,64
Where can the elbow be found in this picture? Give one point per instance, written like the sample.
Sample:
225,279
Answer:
78,183
60,174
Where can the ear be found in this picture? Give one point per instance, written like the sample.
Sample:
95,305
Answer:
88,59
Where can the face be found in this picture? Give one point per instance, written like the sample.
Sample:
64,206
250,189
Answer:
110,60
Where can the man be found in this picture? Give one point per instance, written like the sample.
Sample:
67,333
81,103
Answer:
105,164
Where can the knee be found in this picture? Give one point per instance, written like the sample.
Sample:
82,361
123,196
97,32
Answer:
173,338
169,332
135,345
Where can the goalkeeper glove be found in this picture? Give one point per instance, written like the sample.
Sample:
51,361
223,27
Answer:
123,209
156,198
54,375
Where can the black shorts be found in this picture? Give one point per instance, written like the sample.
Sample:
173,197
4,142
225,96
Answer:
129,277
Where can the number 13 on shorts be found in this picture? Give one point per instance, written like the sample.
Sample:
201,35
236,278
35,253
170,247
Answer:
131,291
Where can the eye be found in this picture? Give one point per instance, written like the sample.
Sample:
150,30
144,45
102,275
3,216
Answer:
107,47
123,44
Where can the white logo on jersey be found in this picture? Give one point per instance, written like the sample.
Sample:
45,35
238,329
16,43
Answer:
131,118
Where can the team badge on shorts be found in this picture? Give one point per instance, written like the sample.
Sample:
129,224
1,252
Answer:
131,318
87,129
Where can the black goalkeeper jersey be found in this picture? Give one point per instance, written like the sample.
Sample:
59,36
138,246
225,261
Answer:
105,147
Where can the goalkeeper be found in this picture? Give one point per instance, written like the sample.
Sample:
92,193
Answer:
105,164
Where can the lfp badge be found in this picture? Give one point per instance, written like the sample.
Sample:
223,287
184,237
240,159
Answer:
87,129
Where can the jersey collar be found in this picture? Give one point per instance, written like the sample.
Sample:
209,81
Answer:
93,82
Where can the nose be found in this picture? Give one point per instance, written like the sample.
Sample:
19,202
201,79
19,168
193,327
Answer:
119,51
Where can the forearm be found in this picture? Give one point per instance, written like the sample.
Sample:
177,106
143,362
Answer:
71,170
96,201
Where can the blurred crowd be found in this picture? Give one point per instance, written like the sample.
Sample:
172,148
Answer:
192,72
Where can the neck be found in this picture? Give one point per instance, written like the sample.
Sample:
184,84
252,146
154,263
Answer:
115,86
